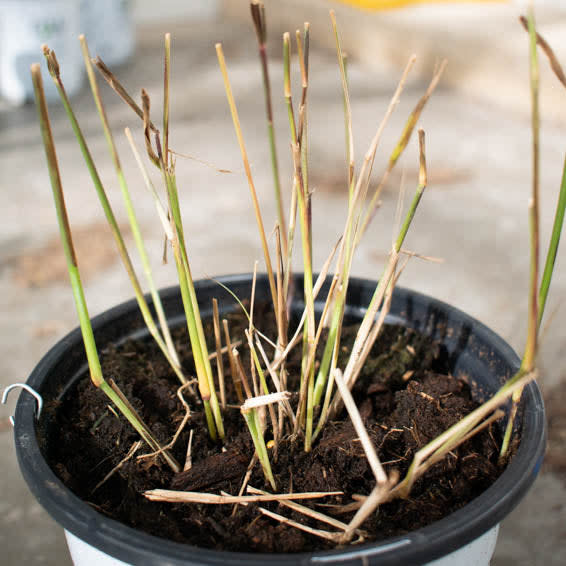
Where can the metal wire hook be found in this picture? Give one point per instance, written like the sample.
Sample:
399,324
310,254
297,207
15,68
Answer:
30,390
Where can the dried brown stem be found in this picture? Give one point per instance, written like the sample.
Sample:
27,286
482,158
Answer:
233,365
170,496
242,373
264,400
246,479
380,494
147,130
351,407
243,151
316,289
316,532
307,511
189,459
115,84
179,429
166,80
134,448
219,359
285,406
552,59
347,108
401,145
450,438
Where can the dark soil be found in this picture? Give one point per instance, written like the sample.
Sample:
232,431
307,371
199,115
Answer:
405,397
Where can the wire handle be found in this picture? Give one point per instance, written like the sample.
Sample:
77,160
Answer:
30,390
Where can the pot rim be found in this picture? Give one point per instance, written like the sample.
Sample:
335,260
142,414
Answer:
417,547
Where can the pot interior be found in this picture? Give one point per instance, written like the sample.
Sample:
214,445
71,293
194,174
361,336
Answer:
473,353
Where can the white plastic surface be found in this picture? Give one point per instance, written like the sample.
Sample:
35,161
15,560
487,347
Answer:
109,29
476,553
83,554
24,26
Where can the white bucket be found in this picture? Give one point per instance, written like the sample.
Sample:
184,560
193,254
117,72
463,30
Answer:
24,26
109,29
476,553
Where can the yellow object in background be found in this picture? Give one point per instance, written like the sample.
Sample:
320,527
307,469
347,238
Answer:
392,4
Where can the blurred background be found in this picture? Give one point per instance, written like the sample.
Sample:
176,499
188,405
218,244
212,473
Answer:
474,214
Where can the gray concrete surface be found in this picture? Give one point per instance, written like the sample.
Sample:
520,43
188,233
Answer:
474,216
483,41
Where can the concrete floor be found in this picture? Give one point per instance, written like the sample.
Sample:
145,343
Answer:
474,216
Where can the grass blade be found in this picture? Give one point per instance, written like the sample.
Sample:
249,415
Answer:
553,246
401,145
532,331
347,108
117,87
166,79
349,243
165,336
219,359
73,269
53,67
238,129
258,17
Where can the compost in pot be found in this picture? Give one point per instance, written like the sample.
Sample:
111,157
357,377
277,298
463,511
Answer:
406,397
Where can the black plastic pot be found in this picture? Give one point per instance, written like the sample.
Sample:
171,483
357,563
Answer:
475,353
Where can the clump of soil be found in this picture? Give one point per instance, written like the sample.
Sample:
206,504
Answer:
405,397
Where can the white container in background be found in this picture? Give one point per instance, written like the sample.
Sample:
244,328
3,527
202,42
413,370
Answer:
25,25
109,29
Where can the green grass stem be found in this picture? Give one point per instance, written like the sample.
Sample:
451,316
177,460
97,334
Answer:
347,107
529,355
454,435
112,222
531,347
262,382
255,201
307,381
409,217
379,293
219,359
401,145
166,81
258,17
553,247
73,269
302,131
192,311
253,421
169,352
349,243
295,187
161,212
